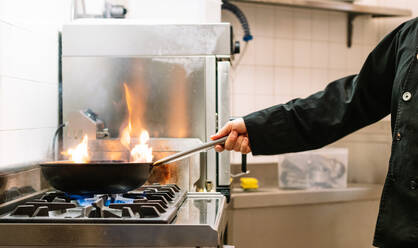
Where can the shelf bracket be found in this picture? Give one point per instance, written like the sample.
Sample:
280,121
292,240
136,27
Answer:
350,20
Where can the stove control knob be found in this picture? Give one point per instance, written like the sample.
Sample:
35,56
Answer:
237,47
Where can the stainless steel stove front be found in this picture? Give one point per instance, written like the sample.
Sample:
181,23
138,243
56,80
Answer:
200,222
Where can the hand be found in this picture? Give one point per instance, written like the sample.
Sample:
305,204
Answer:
237,137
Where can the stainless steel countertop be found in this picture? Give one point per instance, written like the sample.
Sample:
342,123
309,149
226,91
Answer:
270,197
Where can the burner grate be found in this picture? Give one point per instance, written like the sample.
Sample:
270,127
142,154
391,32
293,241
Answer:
149,204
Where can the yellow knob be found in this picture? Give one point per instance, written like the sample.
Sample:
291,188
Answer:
249,183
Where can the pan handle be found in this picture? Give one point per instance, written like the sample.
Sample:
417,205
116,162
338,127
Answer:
188,153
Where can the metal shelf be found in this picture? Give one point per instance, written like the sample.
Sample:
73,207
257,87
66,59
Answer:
352,10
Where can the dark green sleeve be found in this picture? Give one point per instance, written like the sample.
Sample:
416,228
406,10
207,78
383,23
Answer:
344,106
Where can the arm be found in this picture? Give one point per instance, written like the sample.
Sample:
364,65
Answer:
345,105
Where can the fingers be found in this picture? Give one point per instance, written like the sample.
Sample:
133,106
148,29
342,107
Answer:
237,146
231,140
245,146
239,125
219,148
242,144
223,132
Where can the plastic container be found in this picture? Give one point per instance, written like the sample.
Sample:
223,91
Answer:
317,169
179,11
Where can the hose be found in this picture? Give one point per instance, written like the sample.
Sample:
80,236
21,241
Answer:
53,148
226,5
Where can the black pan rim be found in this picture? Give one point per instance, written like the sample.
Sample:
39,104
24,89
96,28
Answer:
61,164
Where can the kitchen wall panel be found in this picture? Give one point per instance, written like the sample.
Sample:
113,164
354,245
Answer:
32,14
24,146
29,77
27,104
307,50
30,54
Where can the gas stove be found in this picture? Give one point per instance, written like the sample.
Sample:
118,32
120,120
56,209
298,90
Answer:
151,216
148,204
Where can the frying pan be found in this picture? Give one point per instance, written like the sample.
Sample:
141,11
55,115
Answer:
107,177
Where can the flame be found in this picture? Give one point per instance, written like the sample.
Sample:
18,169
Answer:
125,137
142,153
80,153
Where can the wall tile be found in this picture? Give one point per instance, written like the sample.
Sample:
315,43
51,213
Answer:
265,51
248,53
334,74
26,104
284,52
358,29
283,99
24,146
5,32
302,24
31,14
28,77
264,83
244,80
355,57
301,53
319,79
302,82
351,71
367,49
320,25
337,27
262,101
370,32
337,57
319,54
36,60
243,104
284,23
283,81
264,21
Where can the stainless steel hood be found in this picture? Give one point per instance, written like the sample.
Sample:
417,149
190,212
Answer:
130,38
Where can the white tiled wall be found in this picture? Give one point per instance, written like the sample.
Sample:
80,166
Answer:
29,77
296,52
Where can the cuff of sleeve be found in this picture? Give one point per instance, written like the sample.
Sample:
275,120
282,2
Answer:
252,123
266,128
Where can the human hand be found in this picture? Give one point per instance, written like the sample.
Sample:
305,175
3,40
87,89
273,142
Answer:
237,137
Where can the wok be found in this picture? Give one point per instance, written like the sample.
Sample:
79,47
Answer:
107,177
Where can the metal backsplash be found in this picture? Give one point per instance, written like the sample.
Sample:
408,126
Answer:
169,93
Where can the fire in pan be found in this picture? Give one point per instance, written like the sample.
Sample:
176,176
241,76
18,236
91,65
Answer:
110,177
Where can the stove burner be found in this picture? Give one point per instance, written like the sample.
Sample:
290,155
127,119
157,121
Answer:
107,199
149,204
